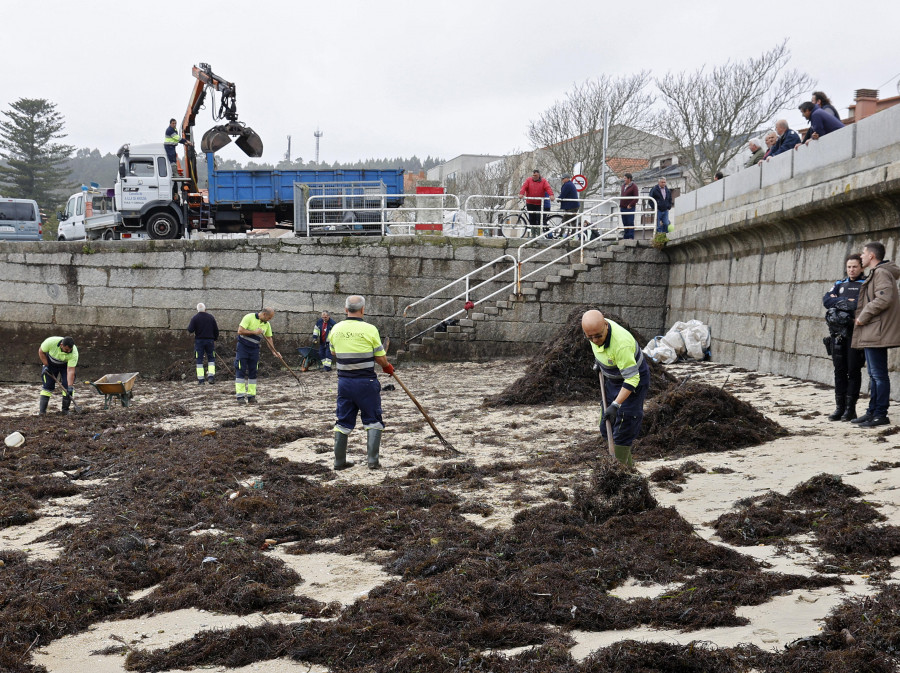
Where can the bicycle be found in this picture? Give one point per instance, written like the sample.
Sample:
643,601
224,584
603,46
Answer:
516,224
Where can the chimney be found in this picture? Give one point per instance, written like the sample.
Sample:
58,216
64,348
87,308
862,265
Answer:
866,103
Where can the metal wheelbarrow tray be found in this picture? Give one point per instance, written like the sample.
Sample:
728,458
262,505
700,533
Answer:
116,385
310,357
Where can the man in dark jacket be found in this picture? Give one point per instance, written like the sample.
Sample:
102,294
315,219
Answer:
877,329
627,206
320,338
206,332
568,200
841,302
787,139
821,123
664,203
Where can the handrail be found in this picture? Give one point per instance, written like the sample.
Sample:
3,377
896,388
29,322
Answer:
465,294
382,208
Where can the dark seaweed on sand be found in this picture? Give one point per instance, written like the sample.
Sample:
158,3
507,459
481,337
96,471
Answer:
561,371
696,417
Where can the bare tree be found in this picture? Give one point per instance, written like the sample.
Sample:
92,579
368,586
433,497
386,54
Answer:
571,130
711,114
497,178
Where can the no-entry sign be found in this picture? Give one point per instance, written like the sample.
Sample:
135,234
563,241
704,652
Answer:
580,182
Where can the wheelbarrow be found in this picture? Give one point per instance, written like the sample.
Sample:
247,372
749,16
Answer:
310,357
116,385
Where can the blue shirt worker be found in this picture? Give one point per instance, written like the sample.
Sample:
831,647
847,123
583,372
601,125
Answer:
626,379
253,329
59,356
320,338
356,348
170,141
206,332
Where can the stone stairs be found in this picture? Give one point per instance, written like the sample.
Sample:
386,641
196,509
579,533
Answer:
466,329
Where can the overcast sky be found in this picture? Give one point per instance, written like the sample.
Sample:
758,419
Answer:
396,78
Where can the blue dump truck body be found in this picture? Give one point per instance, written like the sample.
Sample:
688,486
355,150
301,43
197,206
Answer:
275,188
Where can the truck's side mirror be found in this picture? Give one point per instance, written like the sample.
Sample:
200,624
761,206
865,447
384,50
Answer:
122,170
60,215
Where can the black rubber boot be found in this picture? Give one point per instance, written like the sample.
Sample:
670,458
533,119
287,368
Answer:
67,401
340,452
840,401
373,445
44,402
850,409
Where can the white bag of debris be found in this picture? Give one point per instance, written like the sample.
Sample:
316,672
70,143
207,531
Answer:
660,351
689,339
458,224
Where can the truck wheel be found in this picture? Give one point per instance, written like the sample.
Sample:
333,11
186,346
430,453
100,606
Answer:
109,235
61,238
162,226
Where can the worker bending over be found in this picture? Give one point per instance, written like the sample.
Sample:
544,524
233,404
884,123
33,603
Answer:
253,329
626,378
59,355
355,348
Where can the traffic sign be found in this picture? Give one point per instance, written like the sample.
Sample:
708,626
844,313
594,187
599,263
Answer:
580,182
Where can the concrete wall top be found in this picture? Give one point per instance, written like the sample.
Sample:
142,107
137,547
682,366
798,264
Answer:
777,169
712,193
687,203
742,182
834,148
877,131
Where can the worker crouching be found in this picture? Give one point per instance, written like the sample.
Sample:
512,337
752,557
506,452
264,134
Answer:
626,379
356,348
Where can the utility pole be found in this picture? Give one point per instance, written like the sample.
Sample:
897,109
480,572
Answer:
287,155
318,134
605,143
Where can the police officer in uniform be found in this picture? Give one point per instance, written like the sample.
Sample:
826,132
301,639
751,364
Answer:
253,329
841,302
59,356
356,348
626,379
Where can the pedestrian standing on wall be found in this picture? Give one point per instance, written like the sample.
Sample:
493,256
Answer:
535,189
627,206
877,329
664,203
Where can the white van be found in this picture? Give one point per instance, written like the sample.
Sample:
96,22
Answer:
20,220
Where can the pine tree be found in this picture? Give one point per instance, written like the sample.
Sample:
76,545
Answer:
36,165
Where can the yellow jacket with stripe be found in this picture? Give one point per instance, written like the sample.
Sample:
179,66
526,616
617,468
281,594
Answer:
354,346
620,357
56,355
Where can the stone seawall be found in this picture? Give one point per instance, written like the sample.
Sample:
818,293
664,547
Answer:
128,303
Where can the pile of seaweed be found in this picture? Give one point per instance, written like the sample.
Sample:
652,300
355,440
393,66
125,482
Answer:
694,417
826,508
184,368
561,371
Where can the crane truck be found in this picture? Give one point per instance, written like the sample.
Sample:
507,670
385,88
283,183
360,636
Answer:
150,199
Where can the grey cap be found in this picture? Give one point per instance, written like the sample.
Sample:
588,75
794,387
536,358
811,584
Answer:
565,176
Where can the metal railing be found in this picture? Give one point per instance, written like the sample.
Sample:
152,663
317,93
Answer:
585,229
378,214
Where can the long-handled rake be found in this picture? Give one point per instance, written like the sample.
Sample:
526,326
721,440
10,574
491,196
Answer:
281,359
437,433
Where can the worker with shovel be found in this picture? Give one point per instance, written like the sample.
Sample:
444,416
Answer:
58,355
626,379
253,329
356,348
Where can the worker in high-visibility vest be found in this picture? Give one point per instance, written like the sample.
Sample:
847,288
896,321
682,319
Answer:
320,338
58,355
356,348
170,141
253,329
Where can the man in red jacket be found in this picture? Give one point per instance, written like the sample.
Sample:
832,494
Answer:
627,206
535,190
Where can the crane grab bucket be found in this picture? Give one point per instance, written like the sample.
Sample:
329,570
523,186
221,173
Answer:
219,136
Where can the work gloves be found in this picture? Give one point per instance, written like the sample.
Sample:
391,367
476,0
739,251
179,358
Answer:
610,414
388,369
70,390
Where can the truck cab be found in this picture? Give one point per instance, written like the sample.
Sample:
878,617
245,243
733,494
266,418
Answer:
146,191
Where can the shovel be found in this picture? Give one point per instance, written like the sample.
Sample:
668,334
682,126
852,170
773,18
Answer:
65,392
609,430
447,445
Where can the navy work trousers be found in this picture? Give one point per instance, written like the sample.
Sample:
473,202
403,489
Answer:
630,416
358,395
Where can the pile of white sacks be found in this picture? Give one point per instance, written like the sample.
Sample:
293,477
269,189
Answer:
689,339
